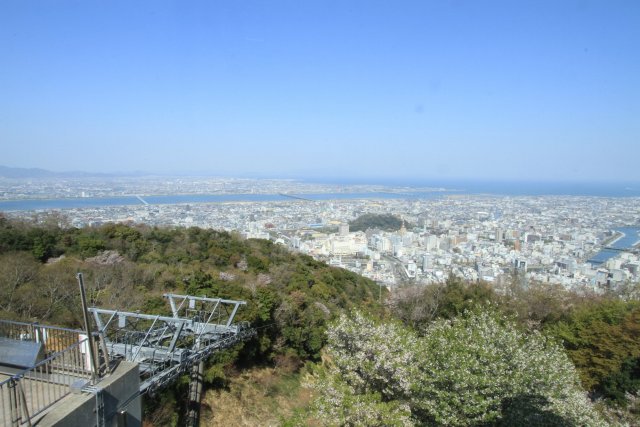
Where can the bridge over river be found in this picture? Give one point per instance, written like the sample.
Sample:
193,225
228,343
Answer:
628,241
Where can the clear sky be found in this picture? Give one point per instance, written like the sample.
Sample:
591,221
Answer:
515,90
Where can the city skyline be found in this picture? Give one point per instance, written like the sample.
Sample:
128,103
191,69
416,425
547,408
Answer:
533,91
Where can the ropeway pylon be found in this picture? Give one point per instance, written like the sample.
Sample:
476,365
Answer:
166,346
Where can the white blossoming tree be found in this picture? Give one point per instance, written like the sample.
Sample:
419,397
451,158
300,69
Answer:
477,369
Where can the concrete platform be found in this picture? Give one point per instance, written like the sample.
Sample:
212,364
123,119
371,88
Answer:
113,401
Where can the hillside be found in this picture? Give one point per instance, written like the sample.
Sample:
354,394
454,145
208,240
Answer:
36,173
294,370
386,222
290,298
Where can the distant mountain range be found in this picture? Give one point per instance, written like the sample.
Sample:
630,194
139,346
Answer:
22,173
37,173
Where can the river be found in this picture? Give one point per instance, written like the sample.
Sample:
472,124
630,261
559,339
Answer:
630,238
95,202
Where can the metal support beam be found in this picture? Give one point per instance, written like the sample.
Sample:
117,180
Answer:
164,346
95,311
233,314
176,335
92,353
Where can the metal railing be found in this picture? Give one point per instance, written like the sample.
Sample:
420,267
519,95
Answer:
27,394
53,338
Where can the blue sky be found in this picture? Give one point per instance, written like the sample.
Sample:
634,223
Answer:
513,90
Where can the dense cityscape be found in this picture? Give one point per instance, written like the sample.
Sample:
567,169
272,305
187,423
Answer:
91,186
551,239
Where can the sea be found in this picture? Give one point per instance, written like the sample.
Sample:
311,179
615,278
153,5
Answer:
510,188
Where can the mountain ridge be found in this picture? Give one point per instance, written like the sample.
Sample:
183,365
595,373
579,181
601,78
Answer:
23,173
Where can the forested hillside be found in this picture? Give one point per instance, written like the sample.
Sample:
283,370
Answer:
385,222
469,354
290,298
445,354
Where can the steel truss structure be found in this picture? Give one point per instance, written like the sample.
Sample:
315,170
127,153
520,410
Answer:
167,346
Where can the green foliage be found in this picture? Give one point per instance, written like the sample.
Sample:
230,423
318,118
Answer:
480,368
258,264
13,236
418,306
599,338
20,236
540,304
475,369
161,410
88,245
290,298
626,414
458,297
619,385
267,300
386,222
43,243
215,372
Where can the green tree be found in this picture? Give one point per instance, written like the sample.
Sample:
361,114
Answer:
417,306
619,385
385,222
475,369
599,337
17,269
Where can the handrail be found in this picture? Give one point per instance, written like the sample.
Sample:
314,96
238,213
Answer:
39,325
30,392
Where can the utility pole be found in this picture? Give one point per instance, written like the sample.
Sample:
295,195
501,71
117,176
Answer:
85,313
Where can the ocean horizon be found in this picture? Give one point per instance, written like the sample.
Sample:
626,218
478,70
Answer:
500,187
